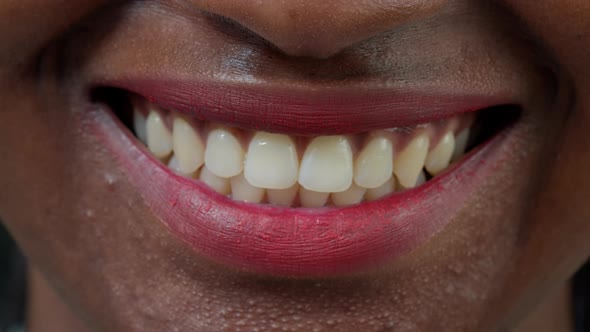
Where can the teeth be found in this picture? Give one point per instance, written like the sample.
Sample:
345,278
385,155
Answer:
410,161
188,147
327,170
174,165
219,184
271,161
385,189
460,144
159,138
241,190
327,165
312,199
224,155
374,166
439,158
285,197
352,195
139,126
421,179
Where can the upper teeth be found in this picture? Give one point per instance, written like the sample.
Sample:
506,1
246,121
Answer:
272,161
327,165
159,138
410,161
374,165
440,157
224,155
275,168
188,146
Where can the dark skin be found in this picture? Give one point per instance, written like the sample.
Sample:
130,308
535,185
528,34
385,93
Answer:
103,261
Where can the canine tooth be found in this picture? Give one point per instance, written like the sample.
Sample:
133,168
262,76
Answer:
139,126
285,197
352,195
159,138
224,155
385,189
312,199
374,165
439,158
241,190
460,144
271,161
327,165
221,185
187,145
408,163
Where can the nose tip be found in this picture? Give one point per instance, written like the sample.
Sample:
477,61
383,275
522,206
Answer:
319,28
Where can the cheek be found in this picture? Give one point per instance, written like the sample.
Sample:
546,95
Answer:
42,154
31,169
22,21
58,203
562,212
564,28
556,241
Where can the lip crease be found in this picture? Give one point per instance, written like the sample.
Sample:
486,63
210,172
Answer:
305,111
298,242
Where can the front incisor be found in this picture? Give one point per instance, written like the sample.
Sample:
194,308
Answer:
272,161
241,190
352,195
327,165
283,197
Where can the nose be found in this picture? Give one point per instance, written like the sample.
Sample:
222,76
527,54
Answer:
319,28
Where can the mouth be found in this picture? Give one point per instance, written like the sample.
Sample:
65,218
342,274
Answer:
302,183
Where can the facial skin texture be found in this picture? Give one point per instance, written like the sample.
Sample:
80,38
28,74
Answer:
88,231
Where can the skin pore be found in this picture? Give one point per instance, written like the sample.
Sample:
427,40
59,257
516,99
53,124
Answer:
101,259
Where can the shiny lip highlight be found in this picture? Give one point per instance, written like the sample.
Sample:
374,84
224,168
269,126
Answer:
296,242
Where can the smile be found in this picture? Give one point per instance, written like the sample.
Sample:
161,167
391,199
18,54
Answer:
310,195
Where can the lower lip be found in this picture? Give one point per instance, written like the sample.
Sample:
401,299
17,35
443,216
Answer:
296,242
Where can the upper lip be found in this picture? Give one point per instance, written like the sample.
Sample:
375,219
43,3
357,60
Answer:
307,111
